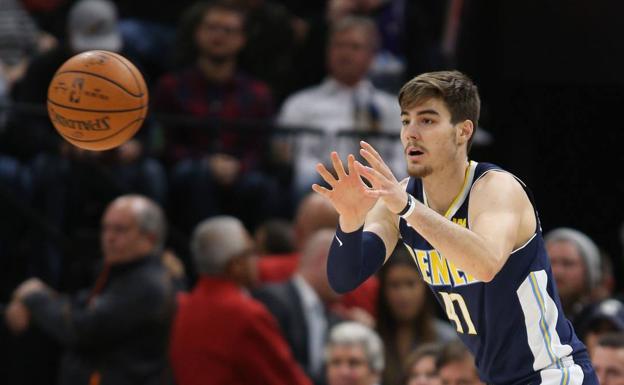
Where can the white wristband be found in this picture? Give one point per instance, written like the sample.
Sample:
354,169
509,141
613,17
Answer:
411,202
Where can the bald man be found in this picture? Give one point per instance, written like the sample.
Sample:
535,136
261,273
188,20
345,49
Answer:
116,332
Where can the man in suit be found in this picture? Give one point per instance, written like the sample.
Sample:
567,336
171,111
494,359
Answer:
220,335
300,305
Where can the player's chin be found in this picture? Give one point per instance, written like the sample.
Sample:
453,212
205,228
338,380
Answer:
418,170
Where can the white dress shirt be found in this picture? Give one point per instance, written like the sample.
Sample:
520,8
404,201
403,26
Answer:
316,320
331,107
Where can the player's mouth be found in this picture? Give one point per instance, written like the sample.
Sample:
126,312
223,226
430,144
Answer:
414,153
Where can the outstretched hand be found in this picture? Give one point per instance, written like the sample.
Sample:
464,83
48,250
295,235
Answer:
384,183
348,193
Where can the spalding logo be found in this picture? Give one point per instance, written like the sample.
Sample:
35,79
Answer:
100,124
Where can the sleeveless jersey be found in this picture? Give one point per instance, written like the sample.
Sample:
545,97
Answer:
514,325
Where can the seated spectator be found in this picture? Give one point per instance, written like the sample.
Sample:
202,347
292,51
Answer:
575,261
456,365
346,100
605,317
353,355
301,305
220,335
216,160
117,333
406,315
608,359
420,365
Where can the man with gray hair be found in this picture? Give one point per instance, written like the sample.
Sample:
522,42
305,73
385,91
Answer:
575,261
117,332
354,355
220,334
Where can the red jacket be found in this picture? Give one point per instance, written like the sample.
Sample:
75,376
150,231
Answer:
221,336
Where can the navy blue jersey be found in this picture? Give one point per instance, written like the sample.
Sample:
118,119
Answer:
514,325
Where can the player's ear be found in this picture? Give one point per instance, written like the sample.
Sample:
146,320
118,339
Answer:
464,131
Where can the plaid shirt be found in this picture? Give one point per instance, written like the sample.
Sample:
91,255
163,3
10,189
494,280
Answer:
230,114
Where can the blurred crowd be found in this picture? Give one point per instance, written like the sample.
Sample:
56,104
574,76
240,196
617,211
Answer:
195,253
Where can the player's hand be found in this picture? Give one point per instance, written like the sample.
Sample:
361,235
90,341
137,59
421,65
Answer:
347,193
385,184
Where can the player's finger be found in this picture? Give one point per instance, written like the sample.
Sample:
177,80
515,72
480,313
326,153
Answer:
337,163
373,176
326,175
321,190
377,164
351,164
368,147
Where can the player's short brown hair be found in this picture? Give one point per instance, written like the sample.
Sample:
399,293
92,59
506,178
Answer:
455,89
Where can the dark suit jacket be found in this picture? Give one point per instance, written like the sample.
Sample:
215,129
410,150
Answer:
285,303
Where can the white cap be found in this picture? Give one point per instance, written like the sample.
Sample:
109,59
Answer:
92,24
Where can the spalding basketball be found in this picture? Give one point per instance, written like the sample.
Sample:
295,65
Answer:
97,100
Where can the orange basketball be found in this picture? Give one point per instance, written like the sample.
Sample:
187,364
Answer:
97,100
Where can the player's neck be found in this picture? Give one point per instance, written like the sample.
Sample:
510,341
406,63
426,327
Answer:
216,70
442,186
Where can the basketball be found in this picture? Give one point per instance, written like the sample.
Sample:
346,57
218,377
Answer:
97,100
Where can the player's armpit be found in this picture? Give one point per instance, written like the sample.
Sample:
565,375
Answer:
501,214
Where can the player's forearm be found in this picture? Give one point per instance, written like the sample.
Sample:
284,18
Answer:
353,257
464,248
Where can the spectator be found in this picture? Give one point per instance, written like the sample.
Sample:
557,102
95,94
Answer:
301,305
354,355
118,332
216,160
346,100
406,315
455,365
420,365
606,316
220,335
608,359
575,261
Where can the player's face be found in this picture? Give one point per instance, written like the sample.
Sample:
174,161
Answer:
459,373
609,365
423,372
122,239
405,292
220,35
347,365
568,269
350,55
429,139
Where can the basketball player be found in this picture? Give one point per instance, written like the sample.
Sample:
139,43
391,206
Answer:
471,228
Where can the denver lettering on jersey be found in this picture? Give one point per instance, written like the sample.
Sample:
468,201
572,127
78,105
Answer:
437,270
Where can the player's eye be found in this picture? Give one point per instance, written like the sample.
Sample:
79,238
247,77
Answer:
404,122
426,121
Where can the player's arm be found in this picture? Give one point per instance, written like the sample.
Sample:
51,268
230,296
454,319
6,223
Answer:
501,218
500,215
366,234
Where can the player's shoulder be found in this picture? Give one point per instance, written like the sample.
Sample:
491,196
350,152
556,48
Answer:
497,185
